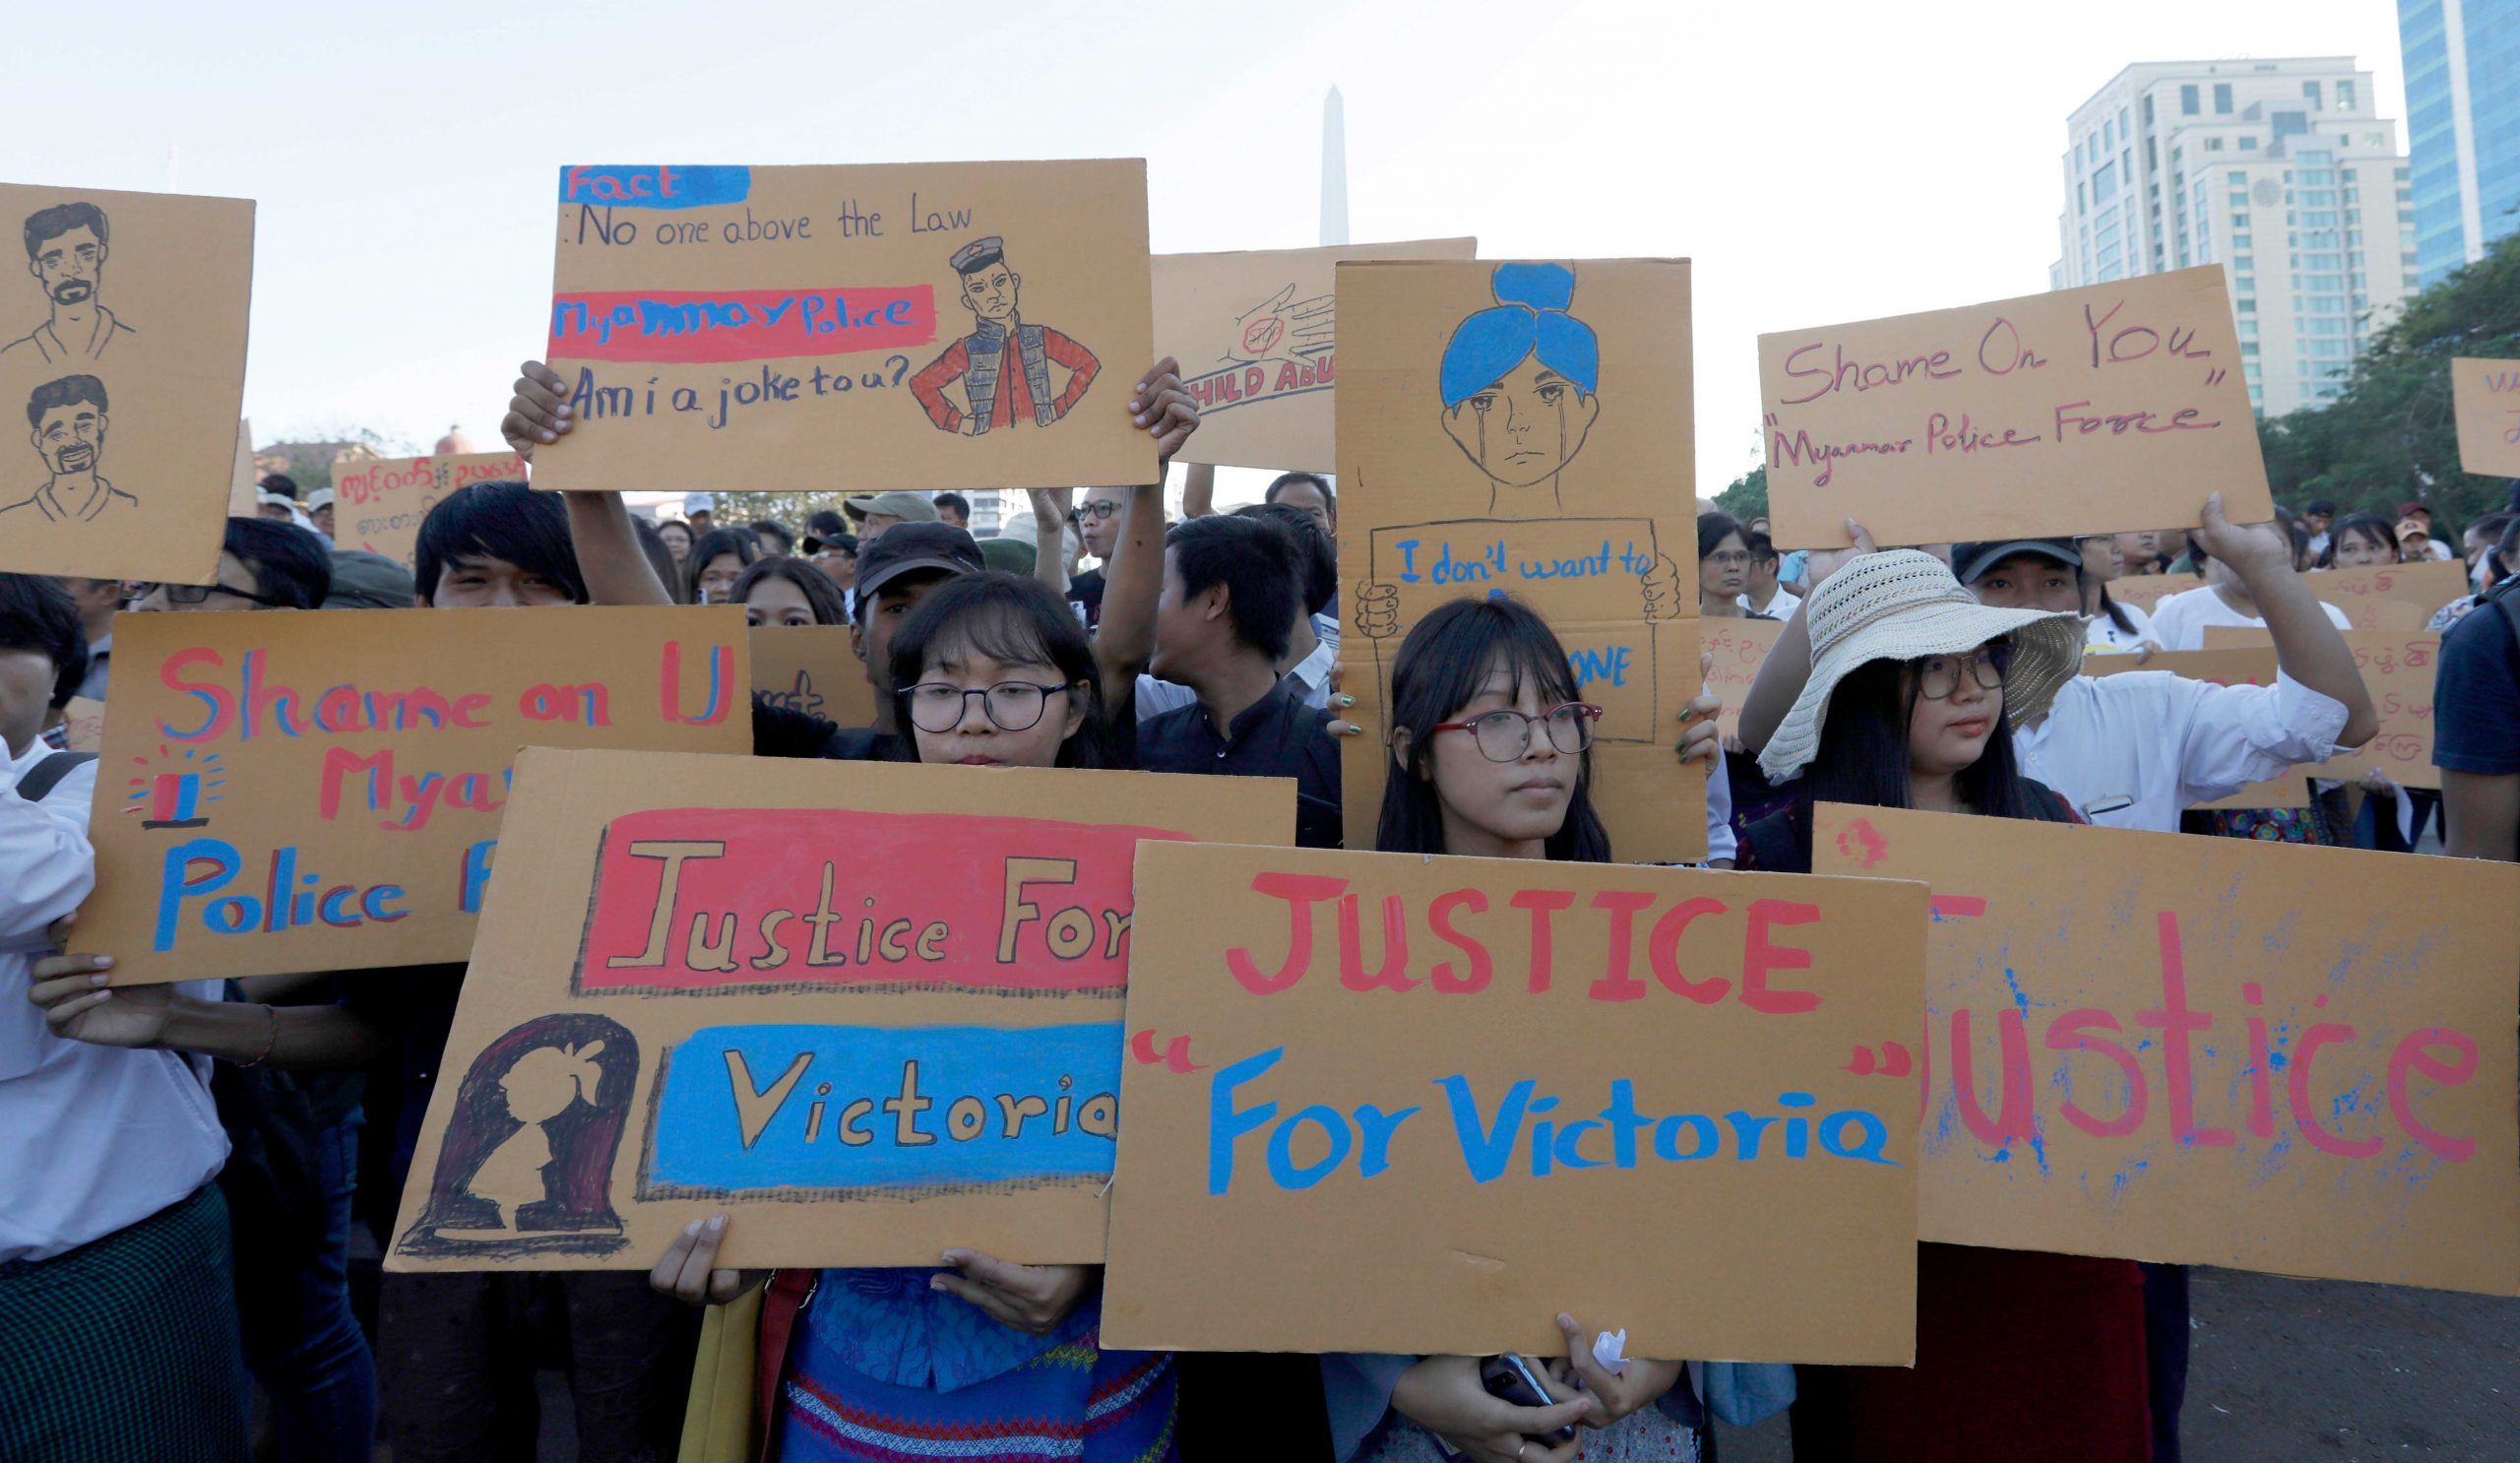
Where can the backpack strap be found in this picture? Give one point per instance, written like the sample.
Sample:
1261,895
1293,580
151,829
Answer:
2506,598
781,1307
48,774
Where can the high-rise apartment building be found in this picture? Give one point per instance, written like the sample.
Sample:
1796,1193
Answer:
2462,126
2281,172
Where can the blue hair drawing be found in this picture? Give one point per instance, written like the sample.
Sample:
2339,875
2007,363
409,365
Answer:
1529,318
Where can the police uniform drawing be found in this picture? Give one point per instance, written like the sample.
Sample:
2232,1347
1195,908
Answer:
1003,388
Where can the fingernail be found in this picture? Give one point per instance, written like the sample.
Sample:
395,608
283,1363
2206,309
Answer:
1137,403
1565,1320
100,961
97,979
1343,701
936,1282
691,1231
1142,388
546,436
716,1222
1141,419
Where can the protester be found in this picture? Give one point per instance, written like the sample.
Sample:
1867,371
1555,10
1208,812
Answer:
2180,621
1308,493
318,511
1231,588
1098,523
2359,541
992,671
699,509
2140,551
774,538
786,591
1312,639
97,600
874,513
2109,628
368,581
2316,517
717,561
118,1316
2476,706
2415,534
1765,597
1723,567
263,565
2493,563
953,508
678,539
1491,757
661,559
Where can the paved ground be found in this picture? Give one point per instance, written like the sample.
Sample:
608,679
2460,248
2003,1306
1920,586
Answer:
2285,1370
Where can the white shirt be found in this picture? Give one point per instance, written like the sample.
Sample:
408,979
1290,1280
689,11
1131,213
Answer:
1782,607
1719,840
1311,676
2102,637
2168,743
2179,622
93,1140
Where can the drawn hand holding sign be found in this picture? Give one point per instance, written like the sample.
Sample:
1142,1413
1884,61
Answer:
1483,455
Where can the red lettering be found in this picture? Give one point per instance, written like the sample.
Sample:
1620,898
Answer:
1541,903
1439,915
1394,972
342,762
1302,892
222,704
1615,984
1761,957
2411,1053
2178,1023
2014,1122
2323,1034
1662,952
2067,1034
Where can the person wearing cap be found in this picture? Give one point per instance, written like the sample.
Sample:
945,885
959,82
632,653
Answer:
2415,534
699,509
1000,393
2057,575
319,511
1912,696
874,513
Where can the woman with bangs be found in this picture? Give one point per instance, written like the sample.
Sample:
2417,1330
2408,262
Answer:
1491,758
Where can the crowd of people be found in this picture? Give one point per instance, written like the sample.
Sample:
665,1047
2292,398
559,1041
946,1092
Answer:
189,1164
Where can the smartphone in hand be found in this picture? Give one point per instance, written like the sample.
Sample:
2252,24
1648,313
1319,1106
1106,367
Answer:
1512,1380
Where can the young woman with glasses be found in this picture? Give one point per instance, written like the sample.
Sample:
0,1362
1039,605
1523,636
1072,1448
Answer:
1492,756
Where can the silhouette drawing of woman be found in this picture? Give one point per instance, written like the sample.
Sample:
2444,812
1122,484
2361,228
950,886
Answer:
544,1084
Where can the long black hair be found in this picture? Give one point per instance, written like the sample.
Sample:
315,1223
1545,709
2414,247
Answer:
2369,526
1863,749
822,596
744,543
1442,666
1012,619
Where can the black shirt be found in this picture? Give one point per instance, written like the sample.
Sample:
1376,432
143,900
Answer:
1086,589
1277,736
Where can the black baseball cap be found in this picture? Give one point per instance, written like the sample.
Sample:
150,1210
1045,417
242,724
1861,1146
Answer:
1975,559
906,547
825,526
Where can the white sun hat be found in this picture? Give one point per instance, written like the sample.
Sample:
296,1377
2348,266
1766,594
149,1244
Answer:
1901,605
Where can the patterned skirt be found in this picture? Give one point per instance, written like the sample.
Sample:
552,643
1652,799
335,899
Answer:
1073,1401
126,1350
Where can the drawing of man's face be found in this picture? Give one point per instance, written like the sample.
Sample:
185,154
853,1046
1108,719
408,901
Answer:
1526,426
71,438
989,292
70,266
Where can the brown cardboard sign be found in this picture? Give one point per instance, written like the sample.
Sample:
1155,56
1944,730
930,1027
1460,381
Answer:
324,790
2253,667
2485,395
2398,670
868,1011
1256,335
123,344
2210,1051
922,326
244,486
2144,591
1738,649
378,502
2423,587
1411,1104
2102,410
812,669
1526,428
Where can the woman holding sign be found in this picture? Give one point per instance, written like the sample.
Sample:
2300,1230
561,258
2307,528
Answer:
1914,690
1492,759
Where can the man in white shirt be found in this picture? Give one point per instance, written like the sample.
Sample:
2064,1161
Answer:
2225,597
1766,595
117,1307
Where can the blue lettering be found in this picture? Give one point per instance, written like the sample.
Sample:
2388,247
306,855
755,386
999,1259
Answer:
1484,1150
1376,1129
1227,1124
1283,1170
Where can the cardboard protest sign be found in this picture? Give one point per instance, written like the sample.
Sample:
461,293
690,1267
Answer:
868,1011
1527,429
378,502
2484,395
1740,647
2252,667
83,725
2398,670
1255,333
2144,591
811,669
924,326
124,345
244,486
2420,586
1526,1069
2210,1051
294,791
2109,409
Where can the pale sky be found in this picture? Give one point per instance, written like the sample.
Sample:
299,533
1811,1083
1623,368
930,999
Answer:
1822,163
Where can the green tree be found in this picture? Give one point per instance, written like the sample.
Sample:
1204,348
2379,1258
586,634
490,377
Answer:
2391,436
1748,497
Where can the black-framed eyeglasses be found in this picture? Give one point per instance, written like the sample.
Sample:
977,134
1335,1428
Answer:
195,594
1505,735
1938,676
1730,559
1098,510
937,706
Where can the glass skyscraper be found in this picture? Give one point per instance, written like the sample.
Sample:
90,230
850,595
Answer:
2463,126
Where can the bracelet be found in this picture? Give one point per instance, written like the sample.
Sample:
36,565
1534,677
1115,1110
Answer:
271,1037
